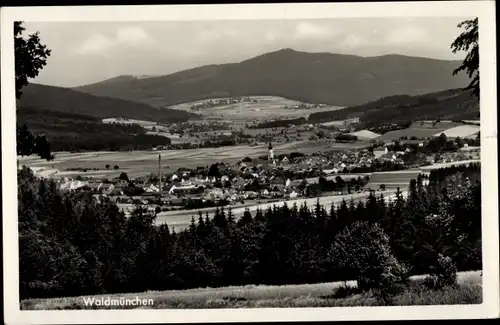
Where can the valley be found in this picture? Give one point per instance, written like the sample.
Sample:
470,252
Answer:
283,179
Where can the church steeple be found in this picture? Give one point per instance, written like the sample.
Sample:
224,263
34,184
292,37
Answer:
270,155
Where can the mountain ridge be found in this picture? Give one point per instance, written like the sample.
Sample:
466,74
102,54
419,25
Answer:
329,78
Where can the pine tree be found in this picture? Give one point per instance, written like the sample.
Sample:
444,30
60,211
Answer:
201,229
372,212
245,219
343,217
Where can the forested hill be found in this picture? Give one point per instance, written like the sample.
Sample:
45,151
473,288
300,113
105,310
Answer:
335,79
73,132
65,100
454,104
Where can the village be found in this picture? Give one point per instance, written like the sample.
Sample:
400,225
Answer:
275,177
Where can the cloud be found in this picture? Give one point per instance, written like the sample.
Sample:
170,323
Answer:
216,34
352,41
209,35
407,35
96,43
131,35
270,36
308,30
99,44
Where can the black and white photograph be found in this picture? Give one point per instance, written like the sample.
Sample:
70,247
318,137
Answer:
254,162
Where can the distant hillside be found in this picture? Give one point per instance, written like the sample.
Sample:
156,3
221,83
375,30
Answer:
334,79
454,104
73,132
64,100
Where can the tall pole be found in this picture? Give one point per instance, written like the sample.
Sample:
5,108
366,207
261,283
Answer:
159,169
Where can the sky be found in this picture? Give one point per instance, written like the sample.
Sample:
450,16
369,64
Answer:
87,52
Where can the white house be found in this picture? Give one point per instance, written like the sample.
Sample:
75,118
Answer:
151,188
72,185
379,152
105,187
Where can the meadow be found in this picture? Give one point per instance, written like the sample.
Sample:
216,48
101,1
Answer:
467,291
142,163
120,120
462,131
267,107
421,129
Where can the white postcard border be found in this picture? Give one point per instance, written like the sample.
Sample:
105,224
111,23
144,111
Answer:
485,10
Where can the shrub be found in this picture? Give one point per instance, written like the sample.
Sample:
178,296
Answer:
345,291
124,176
363,251
393,280
443,273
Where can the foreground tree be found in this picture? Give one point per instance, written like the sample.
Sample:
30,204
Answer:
468,42
363,251
30,57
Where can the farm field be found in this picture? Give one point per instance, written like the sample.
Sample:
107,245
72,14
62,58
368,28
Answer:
462,131
420,129
403,176
267,107
366,134
141,163
455,163
341,122
120,120
468,291
345,177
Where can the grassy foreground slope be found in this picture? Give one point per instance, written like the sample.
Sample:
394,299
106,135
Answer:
467,291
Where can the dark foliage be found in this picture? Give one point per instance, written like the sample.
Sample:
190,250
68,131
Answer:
345,137
64,100
468,42
30,56
279,123
452,104
73,245
74,132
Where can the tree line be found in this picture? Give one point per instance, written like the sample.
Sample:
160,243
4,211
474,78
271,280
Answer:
70,244
76,133
278,123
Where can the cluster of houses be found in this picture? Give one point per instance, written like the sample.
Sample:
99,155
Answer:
245,180
225,101
177,191
249,179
